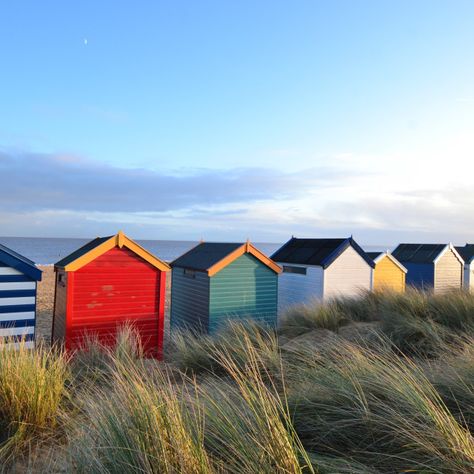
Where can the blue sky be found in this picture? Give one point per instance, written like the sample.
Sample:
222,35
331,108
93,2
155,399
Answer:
227,120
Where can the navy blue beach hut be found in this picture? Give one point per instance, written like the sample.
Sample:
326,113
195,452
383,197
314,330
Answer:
437,267
18,284
217,282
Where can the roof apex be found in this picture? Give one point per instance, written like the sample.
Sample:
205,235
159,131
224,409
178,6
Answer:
320,252
19,262
97,247
212,257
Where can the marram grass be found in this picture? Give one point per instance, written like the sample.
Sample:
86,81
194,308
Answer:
32,391
400,400
142,425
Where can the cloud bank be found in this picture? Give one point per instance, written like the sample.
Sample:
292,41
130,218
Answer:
67,196
34,182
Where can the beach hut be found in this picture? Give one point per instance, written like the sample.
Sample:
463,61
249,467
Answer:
109,282
431,266
389,273
215,282
467,253
18,283
318,269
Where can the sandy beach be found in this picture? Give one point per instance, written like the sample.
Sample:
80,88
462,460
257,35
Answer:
45,303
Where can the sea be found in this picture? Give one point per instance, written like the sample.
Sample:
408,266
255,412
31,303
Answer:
47,251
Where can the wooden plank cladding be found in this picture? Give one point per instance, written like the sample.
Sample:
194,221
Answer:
18,288
217,282
107,284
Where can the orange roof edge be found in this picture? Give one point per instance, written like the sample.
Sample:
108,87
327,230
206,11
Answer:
119,240
263,258
244,248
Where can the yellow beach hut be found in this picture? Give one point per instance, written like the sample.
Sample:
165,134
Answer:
389,273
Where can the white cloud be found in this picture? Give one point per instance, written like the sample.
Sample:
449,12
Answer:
425,194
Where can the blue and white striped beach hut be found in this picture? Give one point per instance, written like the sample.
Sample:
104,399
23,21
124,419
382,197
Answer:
18,284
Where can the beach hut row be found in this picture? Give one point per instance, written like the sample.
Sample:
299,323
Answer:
113,281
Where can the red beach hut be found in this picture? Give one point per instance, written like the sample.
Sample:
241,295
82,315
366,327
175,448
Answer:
107,283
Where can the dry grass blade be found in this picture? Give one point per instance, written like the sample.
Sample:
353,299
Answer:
145,424
248,425
32,389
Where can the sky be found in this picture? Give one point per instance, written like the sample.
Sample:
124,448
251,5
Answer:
227,120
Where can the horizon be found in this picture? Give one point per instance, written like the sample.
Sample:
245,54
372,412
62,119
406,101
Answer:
366,245
213,121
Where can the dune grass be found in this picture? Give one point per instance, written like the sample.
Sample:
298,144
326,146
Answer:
249,427
417,322
195,353
33,387
400,400
379,409
402,403
304,318
143,425
155,422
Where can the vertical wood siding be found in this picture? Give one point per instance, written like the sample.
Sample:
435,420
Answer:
294,288
245,289
420,275
115,289
387,275
347,275
189,300
448,272
60,302
17,306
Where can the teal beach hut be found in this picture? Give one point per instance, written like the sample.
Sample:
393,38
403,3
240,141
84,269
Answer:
217,282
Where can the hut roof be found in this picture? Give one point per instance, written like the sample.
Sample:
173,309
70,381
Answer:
466,252
81,251
212,257
97,247
377,256
418,253
321,252
374,255
19,262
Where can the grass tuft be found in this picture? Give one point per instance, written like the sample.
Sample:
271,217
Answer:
305,318
32,391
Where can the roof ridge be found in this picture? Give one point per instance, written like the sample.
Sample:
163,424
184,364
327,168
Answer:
20,262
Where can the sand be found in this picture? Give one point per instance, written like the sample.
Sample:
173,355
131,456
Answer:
44,304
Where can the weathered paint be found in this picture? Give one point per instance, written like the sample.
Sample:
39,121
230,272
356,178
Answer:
348,275
116,288
295,288
189,300
245,289
448,272
388,275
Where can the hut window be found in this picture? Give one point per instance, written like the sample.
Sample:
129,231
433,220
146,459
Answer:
189,273
298,270
62,279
